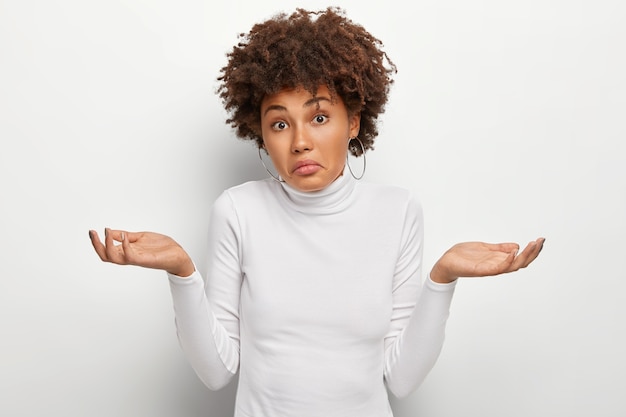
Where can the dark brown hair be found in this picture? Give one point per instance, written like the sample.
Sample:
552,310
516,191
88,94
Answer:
306,49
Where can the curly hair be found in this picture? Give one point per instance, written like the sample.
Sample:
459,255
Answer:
306,49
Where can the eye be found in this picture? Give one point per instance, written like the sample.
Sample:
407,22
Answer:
279,125
320,119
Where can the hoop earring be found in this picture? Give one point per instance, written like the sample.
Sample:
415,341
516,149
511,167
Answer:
274,177
353,148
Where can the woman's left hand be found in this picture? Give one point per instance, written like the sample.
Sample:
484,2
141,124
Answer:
479,259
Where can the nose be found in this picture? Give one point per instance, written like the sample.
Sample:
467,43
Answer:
301,142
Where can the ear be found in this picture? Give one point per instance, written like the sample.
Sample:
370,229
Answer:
355,124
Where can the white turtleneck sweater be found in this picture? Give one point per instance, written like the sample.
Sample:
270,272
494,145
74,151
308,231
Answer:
315,298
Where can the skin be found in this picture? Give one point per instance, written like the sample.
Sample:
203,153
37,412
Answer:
480,259
307,136
307,139
145,249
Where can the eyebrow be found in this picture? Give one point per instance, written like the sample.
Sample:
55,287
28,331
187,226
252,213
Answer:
308,103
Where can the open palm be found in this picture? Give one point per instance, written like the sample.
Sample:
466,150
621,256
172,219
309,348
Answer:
480,259
146,249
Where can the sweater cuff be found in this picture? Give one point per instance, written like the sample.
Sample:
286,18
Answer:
178,280
438,286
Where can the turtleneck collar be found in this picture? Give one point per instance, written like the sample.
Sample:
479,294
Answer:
332,199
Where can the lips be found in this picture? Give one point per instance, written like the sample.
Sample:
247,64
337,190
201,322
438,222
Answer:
306,167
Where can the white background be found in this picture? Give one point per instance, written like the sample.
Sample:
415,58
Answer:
507,119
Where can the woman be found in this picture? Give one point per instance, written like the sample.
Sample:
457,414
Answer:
313,290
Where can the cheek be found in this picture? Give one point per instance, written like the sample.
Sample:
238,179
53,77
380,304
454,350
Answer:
279,155
340,149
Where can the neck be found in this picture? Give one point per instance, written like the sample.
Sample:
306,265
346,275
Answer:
335,197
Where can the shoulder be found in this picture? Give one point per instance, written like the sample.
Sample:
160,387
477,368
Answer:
251,187
247,194
250,190
395,209
390,195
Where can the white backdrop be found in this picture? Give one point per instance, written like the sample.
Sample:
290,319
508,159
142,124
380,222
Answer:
507,119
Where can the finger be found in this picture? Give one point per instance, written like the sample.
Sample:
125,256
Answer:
114,252
504,247
540,241
115,235
129,253
529,253
534,253
97,245
506,264
132,237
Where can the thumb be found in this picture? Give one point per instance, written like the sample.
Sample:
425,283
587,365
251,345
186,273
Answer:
129,253
508,261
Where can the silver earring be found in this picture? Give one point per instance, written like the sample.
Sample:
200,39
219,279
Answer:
274,177
352,148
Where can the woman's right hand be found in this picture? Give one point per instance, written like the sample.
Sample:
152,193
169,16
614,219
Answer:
146,249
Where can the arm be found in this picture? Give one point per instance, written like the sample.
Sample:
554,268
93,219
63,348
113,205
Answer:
208,346
416,349
207,317
479,259
207,322
419,314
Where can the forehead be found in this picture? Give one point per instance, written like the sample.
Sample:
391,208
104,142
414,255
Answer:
300,97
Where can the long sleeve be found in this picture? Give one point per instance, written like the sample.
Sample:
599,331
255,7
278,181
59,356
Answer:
207,316
419,316
314,298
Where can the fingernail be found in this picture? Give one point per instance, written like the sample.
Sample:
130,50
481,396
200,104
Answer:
106,231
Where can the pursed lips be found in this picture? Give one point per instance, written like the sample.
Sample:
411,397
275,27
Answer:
302,166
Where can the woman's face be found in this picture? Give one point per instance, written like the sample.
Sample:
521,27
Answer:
307,136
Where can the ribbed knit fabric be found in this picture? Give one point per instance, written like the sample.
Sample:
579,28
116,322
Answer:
315,298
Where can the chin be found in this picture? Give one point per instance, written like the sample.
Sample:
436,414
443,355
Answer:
309,185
